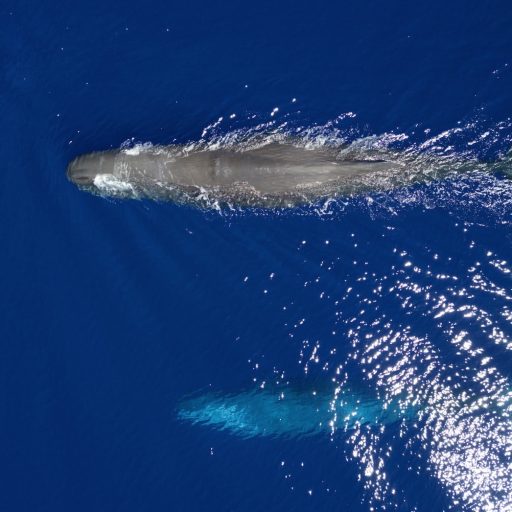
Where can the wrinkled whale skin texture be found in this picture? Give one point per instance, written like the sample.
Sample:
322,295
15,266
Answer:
276,173
289,412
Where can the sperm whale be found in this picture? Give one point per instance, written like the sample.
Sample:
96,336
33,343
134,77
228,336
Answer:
273,174
290,412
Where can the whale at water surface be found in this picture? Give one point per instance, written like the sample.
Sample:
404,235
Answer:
273,174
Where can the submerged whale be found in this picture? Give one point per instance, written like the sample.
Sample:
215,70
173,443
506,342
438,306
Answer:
273,174
290,412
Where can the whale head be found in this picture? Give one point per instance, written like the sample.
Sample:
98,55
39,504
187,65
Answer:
83,170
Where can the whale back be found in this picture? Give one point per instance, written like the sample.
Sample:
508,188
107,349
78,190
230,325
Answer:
270,175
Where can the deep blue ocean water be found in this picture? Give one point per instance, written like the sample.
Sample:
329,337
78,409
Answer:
113,311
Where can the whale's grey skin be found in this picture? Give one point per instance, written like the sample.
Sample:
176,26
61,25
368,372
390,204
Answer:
274,174
290,412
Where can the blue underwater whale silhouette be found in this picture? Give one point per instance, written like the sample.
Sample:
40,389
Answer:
290,412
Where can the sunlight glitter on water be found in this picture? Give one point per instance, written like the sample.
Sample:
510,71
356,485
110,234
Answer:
431,330
464,427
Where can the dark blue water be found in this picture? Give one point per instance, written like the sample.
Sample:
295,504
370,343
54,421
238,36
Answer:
113,311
